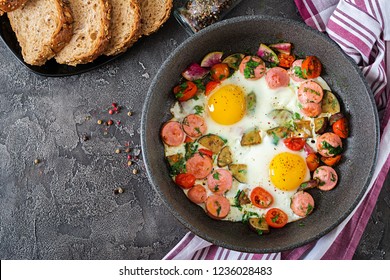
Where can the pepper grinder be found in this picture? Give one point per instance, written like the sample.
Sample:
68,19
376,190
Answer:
198,14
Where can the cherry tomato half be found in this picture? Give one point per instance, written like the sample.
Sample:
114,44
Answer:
185,180
276,218
210,86
286,60
340,128
311,67
312,161
219,72
185,91
261,198
295,143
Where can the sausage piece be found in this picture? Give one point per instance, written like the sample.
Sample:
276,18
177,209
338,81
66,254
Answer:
250,71
296,68
172,134
277,77
311,110
220,181
327,177
200,166
217,206
194,125
197,194
329,144
310,92
302,203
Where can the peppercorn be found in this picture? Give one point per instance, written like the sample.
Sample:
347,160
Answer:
129,163
109,122
129,113
111,111
36,161
117,151
128,150
135,171
118,190
85,137
99,121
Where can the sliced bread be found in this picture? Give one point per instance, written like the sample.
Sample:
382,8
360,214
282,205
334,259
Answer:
10,5
125,25
91,32
153,14
43,28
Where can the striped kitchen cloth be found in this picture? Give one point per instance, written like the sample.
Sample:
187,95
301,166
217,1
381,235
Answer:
361,28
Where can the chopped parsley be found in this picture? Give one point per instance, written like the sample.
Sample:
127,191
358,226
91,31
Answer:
216,175
198,110
332,150
249,71
309,209
275,138
247,215
298,72
297,116
191,149
237,200
275,219
178,167
259,231
199,84
218,208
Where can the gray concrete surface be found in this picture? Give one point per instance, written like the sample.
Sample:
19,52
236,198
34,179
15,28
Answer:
64,207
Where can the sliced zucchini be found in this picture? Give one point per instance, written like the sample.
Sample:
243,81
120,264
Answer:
330,103
176,163
251,137
251,103
234,60
281,116
259,225
239,172
301,129
280,131
225,157
320,125
242,197
212,142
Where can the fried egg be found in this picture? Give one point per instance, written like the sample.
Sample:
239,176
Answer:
270,164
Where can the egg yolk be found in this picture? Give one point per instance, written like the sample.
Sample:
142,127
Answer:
227,105
287,171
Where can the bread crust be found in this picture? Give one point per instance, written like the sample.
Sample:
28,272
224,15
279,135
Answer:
65,29
158,24
135,32
10,5
59,38
102,41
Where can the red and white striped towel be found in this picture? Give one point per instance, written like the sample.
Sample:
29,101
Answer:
361,28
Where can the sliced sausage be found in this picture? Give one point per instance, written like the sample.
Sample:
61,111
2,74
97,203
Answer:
310,92
217,206
296,68
250,71
277,77
197,194
200,166
326,176
172,134
329,144
302,203
220,181
311,110
194,125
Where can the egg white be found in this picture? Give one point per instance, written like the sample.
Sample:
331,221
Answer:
256,157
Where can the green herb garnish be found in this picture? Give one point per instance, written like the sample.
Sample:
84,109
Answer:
198,109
